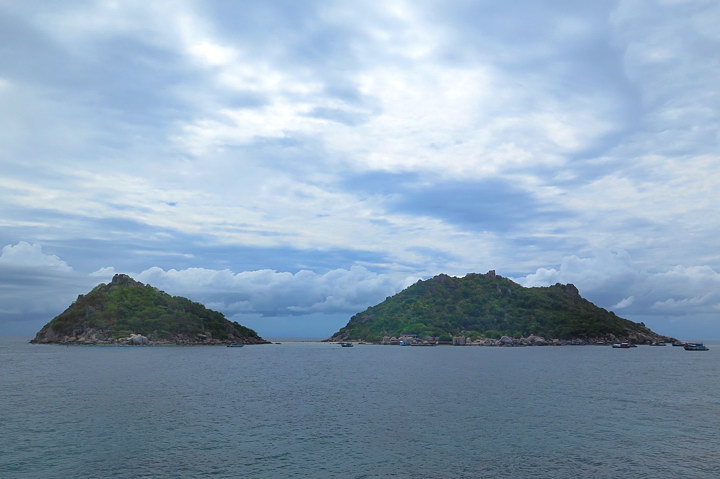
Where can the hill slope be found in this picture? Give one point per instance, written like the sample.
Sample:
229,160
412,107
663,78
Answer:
114,312
490,306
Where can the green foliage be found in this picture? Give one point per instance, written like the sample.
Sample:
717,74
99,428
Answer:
126,306
488,306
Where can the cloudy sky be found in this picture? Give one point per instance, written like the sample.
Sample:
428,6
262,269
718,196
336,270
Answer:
290,163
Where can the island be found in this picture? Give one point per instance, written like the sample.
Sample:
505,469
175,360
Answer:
128,312
487,309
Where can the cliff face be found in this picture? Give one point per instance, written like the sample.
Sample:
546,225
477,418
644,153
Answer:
126,311
481,306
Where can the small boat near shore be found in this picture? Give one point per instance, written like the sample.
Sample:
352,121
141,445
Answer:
346,345
695,347
235,345
623,345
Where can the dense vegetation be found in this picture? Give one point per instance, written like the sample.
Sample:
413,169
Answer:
486,306
125,306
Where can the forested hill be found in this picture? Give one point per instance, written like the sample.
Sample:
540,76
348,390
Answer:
127,311
490,306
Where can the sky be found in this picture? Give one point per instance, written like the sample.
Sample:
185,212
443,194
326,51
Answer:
291,163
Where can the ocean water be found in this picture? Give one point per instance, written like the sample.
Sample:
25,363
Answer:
318,410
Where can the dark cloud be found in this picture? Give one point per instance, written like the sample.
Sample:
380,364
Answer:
349,118
482,205
492,205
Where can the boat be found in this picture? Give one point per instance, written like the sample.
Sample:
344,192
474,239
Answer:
234,345
678,343
695,347
621,345
346,345
658,343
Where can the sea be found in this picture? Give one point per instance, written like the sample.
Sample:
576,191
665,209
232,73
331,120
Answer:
317,410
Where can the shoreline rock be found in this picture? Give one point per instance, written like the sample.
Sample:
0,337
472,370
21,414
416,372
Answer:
535,340
94,337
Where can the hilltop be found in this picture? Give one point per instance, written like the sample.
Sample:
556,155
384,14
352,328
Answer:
126,311
486,306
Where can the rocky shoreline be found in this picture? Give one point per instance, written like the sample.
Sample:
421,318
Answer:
94,337
533,340
636,338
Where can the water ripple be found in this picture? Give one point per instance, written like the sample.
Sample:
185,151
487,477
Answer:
313,410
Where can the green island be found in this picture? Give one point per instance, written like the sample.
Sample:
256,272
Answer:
487,309
126,311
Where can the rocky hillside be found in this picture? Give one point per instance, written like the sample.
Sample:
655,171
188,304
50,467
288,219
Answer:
126,311
480,306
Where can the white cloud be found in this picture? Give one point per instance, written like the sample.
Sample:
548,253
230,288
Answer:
686,290
273,293
105,273
28,255
624,303
34,285
435,118
420,111
213,54
592,272
615,281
